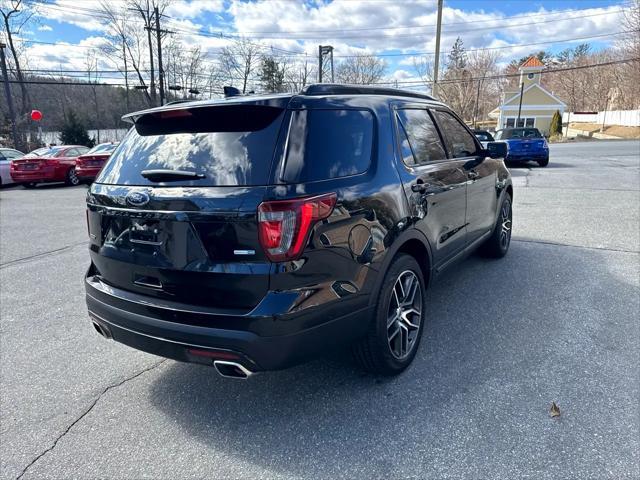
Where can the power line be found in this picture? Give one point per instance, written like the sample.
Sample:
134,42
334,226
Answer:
400,82
96,12
418,54
306,36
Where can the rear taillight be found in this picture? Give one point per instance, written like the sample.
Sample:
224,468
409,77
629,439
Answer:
284,225
51,163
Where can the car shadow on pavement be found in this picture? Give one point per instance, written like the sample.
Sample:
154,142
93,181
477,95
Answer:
501,343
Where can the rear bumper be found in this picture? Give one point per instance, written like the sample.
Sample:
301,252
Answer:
26,176
526,156
87,173
126,323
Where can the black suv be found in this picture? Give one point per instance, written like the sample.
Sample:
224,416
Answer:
255,232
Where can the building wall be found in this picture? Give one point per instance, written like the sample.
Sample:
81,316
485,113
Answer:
535,96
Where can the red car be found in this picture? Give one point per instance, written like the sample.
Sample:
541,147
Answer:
89,164
49,164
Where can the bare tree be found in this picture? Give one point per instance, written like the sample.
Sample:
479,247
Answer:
300,73
145,8
91,64
240,61
361,70
124,41
14,17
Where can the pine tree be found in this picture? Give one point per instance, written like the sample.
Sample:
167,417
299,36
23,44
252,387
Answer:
74,132
457,56
555,129
272,75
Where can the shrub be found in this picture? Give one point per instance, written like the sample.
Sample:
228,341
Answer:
556,125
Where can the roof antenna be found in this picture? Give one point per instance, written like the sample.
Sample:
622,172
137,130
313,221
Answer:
231,92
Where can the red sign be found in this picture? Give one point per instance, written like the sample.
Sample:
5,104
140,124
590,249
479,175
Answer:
36,115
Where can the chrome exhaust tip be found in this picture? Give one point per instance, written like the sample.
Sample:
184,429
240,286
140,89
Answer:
100,327
232,369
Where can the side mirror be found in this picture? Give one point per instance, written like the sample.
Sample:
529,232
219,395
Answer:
497,149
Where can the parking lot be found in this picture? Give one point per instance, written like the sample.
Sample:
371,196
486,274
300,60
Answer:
556,320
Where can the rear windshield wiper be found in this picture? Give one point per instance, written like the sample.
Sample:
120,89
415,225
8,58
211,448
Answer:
170,175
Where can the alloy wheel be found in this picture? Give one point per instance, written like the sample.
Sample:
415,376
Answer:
505,225
73,177
404,314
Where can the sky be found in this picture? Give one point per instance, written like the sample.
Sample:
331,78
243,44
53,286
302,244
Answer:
394,29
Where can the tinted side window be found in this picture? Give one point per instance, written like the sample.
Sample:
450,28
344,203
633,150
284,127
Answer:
72,152
460,142
326,144
422,135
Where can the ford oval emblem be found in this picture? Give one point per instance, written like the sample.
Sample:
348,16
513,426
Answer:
137,199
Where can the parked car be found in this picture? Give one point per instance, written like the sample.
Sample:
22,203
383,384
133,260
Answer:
255,232
6,155
525,144
48,164
483,136
89,164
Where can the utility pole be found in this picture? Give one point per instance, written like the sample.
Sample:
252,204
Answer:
322,51
7,91
520,104
475,110
146,16
436,65
160,70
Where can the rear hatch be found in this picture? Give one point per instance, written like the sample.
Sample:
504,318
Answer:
524,145
173,213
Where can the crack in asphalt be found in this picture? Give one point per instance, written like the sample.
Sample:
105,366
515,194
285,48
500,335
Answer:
85,413
542,242
43,254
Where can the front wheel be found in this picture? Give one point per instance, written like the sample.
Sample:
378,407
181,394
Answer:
498,243
395,330
72,177
29,185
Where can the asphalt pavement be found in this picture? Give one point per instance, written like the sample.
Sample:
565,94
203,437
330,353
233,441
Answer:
556,320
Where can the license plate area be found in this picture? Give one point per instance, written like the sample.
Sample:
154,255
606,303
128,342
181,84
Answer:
153,243
28,166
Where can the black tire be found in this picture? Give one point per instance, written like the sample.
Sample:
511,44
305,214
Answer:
544,162
497,245
380,351
29,185
71,178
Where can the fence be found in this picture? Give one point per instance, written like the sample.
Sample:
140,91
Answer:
627,118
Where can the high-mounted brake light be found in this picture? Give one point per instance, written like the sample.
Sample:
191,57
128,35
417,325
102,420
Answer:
284,225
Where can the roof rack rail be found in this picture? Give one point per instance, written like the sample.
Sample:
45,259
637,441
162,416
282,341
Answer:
340,89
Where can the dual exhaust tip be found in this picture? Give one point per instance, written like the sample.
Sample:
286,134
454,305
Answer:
225,368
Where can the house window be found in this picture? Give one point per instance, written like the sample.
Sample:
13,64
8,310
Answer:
523,122
530,76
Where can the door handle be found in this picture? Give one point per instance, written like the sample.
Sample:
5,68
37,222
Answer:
472,174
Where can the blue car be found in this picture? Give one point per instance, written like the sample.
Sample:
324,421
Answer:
524,145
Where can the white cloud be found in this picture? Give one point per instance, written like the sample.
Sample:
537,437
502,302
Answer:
193,8
350,26
45,28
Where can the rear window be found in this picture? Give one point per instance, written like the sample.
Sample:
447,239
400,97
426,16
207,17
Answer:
103,148
518,133
230,145
325,144
44,152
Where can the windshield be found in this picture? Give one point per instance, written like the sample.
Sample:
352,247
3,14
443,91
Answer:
227,145
484,136
518,133
44,152
103,148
